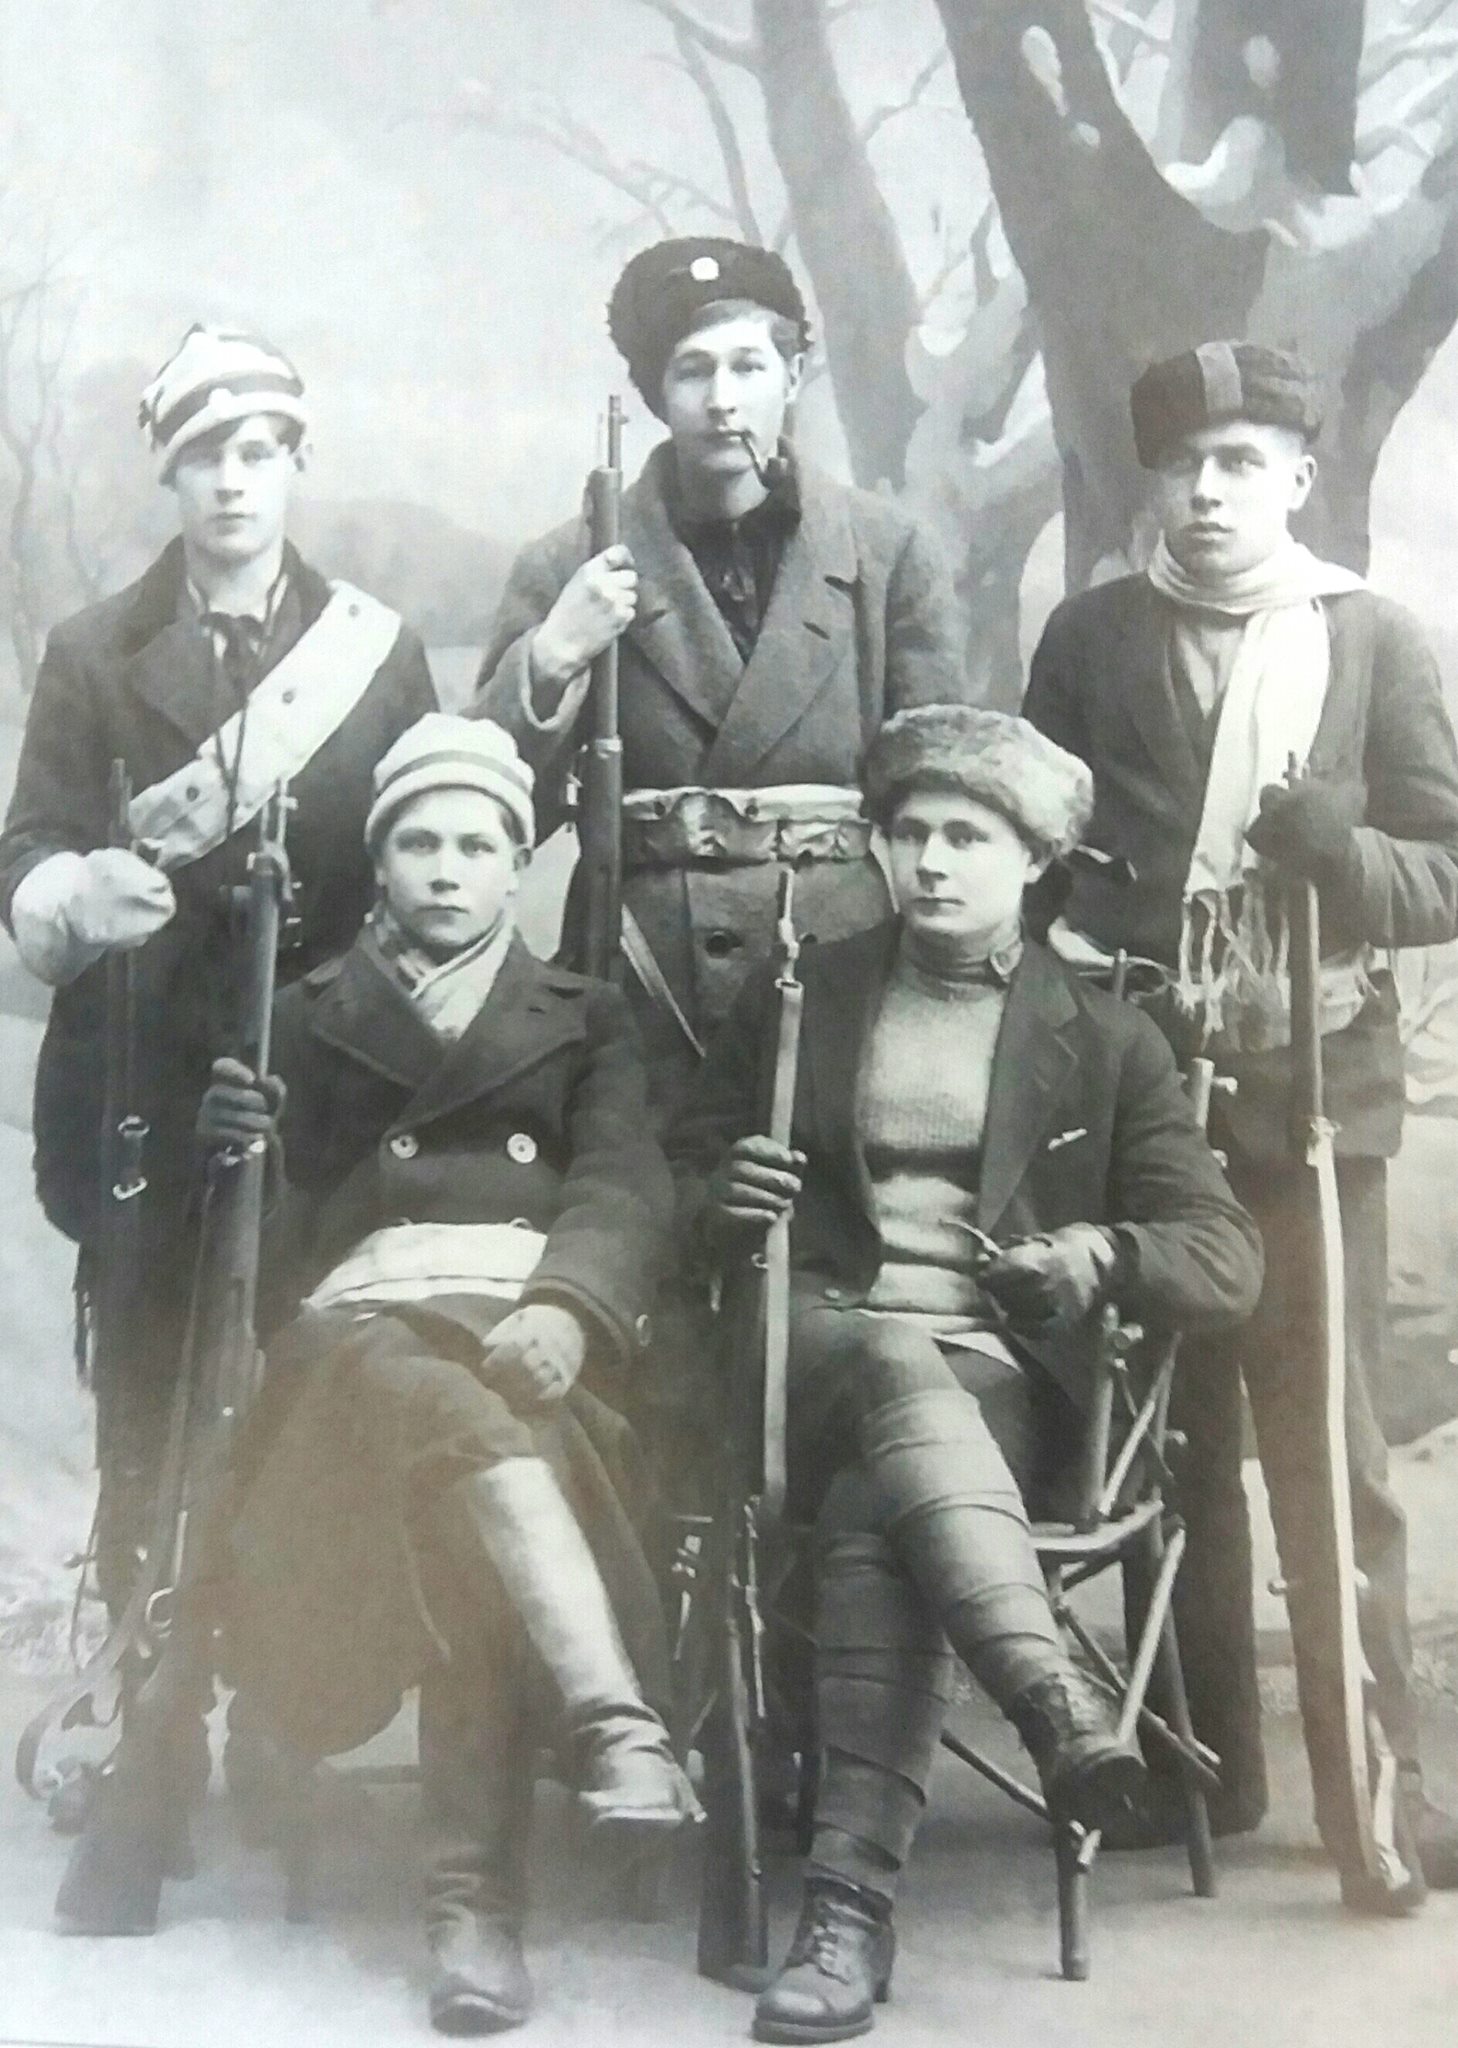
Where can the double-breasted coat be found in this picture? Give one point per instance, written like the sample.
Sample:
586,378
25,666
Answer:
861,622
1087,1122
535,1116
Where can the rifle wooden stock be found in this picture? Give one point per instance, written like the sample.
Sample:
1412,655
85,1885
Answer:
600,773
138,1817
733,1924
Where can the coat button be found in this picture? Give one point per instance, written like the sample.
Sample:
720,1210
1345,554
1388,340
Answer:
720,944
288,696
521,1147
192,792
643,1330
835,1294
405,1144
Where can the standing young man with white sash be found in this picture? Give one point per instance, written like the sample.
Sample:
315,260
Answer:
1188,690
228,668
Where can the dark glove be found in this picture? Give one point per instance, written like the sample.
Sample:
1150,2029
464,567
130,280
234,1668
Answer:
1306,828
1053,1279
754,1184
239,1107
534,1354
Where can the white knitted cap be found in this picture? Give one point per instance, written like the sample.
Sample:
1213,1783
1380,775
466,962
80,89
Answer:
443,751
214,379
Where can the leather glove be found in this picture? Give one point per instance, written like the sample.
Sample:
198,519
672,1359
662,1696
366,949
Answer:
534,1355
118,899
239,1107
1306,828
754,1184
1052,1279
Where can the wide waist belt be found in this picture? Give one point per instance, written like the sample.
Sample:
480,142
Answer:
669,828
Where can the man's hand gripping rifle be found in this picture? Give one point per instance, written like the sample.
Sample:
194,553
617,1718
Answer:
137,1819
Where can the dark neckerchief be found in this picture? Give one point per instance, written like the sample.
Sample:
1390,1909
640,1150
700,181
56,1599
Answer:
739,559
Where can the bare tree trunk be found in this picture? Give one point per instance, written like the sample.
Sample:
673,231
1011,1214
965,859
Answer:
1119,268
847,236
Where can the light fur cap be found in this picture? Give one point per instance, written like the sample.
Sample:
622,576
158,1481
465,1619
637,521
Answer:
443,751
991,756
214,379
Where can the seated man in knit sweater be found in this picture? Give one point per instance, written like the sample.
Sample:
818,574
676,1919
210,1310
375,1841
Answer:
955,1080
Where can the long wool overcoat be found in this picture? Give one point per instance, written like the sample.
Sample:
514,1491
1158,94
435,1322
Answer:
536,1116
861,623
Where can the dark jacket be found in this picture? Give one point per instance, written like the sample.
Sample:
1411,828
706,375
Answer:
330,1609
535,1115
861,623
1101,686
1087,1122
129,678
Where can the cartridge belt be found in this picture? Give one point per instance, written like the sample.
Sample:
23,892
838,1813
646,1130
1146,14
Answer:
792,822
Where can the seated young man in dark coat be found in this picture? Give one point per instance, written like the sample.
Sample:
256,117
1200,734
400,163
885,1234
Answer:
478,1211
955,1080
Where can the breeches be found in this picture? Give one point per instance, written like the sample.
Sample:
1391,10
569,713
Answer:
909,1460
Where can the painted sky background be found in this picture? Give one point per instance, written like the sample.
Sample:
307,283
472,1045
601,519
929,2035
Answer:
304,168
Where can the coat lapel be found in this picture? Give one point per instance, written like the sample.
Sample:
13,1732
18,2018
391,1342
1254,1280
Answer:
1146,688
168,665
1034,1059
364,1014
839,1013
678,627
530,1014
808,631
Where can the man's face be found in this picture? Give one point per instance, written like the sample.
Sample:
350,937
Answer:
1224,495
233,489
958,868
449,866
722,383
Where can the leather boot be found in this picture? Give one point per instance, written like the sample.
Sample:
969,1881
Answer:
838,1968
1088,1774
477,1771
515,1512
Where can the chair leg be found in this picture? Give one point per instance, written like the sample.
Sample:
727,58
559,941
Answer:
1198,1841
1073,1876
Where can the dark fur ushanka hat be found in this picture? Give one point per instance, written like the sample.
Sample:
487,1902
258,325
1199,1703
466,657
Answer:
662,290
1221,380
990,756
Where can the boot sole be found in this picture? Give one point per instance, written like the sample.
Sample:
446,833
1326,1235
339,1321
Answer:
796,2031
467,2014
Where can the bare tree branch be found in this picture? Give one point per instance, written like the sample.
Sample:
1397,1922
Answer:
875,122
691,56
1122,17
739,50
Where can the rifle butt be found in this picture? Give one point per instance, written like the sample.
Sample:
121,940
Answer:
733,1938
127,1847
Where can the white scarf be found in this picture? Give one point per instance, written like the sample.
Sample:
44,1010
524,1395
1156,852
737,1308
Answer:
1232,941
447,993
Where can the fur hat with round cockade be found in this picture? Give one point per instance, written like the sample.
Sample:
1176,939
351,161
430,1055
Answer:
662,291
990,756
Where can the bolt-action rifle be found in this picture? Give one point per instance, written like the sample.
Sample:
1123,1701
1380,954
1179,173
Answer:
136,1824
733,1926
600,771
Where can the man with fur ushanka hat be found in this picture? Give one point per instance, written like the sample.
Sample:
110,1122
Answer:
229,667
1188,689
956,1083
768,620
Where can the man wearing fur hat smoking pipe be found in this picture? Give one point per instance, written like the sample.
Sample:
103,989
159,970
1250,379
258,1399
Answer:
477,1213
1188,690
957,1083
768,619
228,668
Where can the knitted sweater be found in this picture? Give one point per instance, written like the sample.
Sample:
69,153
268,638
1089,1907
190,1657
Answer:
920,1109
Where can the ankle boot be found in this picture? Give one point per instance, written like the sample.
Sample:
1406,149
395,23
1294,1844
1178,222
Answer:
515,1512
1088,1774
838,1968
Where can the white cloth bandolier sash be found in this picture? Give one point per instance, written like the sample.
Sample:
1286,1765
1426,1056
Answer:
295,708
413,1262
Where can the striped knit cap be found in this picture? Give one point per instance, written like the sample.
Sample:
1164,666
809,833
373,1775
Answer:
214,379
445,751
